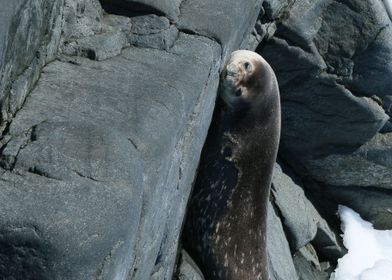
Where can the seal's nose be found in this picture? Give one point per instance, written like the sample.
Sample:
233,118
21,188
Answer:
231,69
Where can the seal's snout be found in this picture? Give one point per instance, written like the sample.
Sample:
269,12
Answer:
231,70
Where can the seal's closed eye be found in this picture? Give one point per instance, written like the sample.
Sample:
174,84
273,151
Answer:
238,92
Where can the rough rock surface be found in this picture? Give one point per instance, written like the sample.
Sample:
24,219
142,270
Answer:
308,266
369,166
326,108
98,161
230,28
29,36
333,59
301,219
281,266
188,269
66,131
167,8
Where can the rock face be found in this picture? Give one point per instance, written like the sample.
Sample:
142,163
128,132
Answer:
330,105
29,36
297,228
187,268
281,265
98,155
301,219
105,106
332,60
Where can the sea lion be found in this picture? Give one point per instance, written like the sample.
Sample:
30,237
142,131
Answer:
225,228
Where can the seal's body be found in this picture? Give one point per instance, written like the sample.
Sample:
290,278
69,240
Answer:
225,229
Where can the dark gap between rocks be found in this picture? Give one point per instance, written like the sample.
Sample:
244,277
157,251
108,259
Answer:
128,8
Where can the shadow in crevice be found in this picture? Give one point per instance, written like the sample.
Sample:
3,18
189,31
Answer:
128,8
23,254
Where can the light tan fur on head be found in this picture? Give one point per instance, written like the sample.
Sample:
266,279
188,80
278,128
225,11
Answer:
242,77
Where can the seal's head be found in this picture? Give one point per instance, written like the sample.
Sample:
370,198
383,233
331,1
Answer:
242,79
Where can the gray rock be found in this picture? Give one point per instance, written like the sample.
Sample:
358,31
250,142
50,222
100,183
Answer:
100,122
29,36
271,13
88,32
52,229
373,67
117,134
81,18
167,8
97,47
369,166
281,265
230,26
332,60
373,204
317,59
163,40
301,219
149,24
307,265
152,31
188,269
320,116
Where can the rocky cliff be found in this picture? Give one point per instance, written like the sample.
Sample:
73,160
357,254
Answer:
105,106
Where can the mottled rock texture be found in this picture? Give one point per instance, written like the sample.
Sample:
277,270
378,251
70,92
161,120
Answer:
281,266
187,268
29,37
301,219
333,62
105,106
105,111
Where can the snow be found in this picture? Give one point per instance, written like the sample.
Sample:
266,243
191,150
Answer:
369,254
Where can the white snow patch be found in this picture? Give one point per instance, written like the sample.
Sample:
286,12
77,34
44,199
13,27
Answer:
369,254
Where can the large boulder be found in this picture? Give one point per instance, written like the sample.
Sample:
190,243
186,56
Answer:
168,8
98,155
228,22
329,105
369,166
187,268
308,266
281,266
101,122
333,63
29,36
302,221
